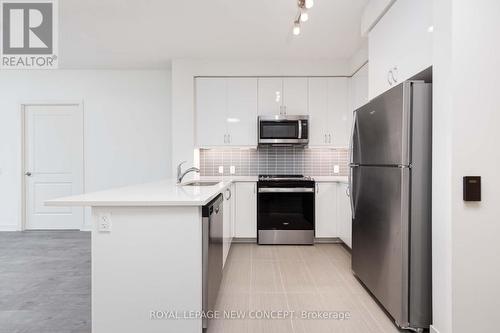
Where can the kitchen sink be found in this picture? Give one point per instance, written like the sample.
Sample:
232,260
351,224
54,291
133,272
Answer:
200,183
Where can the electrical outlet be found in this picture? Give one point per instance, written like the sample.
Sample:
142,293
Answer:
221,169
336,169
232,169
104,222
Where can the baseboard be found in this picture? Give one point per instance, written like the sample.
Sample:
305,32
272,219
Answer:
9,227
244,240
432,329
328,240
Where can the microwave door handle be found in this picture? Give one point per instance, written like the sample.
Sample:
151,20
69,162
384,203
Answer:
300,129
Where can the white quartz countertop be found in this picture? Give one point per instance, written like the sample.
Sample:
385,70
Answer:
335,179
160,193
163,193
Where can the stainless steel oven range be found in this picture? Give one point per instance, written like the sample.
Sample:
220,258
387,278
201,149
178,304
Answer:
285,209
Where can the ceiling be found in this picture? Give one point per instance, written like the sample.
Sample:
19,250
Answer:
150,33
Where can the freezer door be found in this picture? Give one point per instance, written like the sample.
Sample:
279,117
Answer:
381,129
380,235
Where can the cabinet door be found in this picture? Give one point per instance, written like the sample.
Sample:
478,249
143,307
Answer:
295,91
242,111
406,50
326,210
211,105
318,111
358,89
246,210
270,96
344,214
226,224
339,117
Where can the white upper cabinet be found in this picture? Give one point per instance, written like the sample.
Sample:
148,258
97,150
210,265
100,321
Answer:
226,112
339,117
211,102
242,111
318,111
295,96
358,88
400,44
283,96
270,96
329,112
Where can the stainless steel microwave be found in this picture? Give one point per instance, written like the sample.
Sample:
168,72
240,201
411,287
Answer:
283,130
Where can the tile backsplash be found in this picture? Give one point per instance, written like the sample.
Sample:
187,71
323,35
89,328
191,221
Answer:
274,160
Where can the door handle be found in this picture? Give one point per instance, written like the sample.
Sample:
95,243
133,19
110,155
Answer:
28,174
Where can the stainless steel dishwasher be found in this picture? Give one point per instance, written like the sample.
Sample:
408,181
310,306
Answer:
212,253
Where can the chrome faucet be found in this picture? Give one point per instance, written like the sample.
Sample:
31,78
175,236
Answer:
181,174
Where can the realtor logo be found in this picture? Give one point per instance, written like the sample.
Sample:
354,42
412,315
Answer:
29,34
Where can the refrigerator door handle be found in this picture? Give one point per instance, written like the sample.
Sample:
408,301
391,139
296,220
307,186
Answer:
351,142
350,191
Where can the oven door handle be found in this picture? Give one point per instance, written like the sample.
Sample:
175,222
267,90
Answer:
286,190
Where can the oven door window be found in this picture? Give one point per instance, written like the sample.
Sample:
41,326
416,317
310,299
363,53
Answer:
279,129
286,211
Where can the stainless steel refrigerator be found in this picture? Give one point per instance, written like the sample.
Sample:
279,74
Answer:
390,191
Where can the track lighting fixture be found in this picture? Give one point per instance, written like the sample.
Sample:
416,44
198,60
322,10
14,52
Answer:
302,15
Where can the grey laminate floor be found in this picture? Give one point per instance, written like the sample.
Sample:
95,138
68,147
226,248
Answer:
45,282
315,279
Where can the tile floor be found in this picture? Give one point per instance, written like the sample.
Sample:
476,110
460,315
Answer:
315,278
45,287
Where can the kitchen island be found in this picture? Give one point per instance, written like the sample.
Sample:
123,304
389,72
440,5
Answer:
146,256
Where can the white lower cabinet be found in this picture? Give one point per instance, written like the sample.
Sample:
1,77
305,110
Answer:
227,224
333,212
245,215
326,210
344,214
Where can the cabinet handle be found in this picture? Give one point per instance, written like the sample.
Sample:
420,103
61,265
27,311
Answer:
329,138
229,194
317,188
255,188
394,74
389,76
229,138
325,139
284,110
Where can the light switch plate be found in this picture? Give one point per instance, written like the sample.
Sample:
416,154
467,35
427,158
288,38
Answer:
336,169
232,169
221,169
104,222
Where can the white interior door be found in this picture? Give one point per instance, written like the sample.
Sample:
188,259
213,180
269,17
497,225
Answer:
53,164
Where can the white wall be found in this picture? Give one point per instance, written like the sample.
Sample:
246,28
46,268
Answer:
467,115
475,151
183,74
127,126
441,178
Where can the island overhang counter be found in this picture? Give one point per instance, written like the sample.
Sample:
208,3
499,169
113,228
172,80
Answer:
146,256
